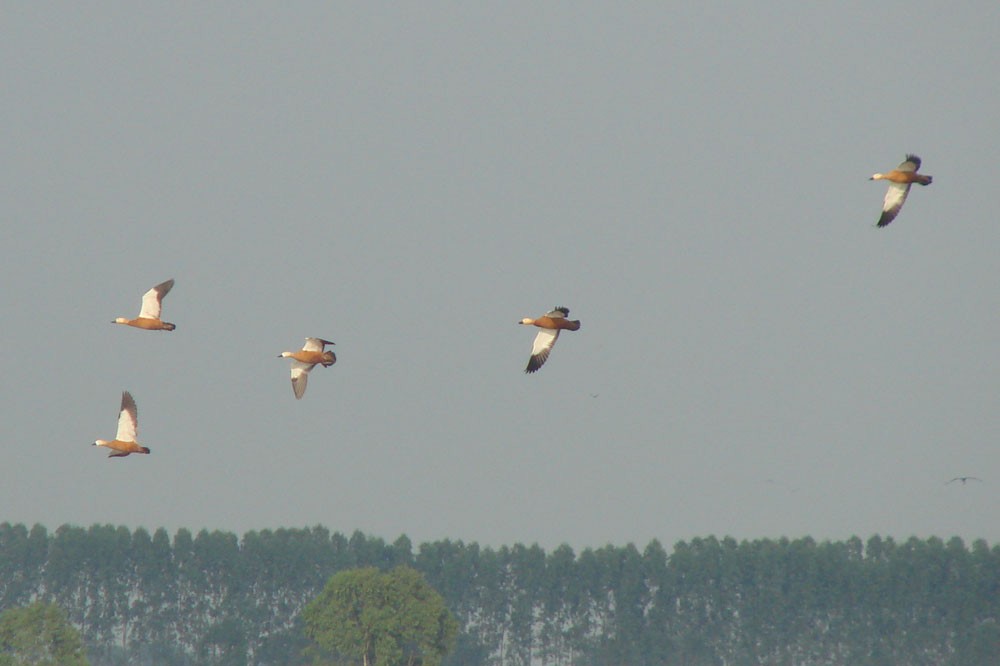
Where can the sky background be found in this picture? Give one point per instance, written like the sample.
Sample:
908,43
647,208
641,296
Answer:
756,359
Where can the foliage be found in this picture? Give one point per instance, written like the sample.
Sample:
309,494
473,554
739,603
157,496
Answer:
211,598
381,619
39,634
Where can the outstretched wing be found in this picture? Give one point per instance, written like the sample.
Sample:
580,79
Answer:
544,341
894,198
315,344
300,377
127,419
152,300
911,163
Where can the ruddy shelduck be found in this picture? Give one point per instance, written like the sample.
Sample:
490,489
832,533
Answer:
124,442
149,315
550,324
305,360
900,180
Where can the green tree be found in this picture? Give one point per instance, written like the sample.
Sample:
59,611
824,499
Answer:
380,619
39,634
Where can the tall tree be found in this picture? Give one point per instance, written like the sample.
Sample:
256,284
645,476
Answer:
39,634
380,619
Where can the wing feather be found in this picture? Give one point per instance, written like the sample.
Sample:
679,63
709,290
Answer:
315,344
300,377
152,300
127,419
911,163
543,344
894,198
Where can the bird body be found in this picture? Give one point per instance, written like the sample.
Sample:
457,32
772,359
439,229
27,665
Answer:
128,424
900,180
551,323
304,360
149,314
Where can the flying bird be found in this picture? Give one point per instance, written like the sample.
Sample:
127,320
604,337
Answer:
900,180
963,479
149,315
550,324
124,442
305,360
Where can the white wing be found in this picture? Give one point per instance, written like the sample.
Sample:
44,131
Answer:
300,377
544,341
911,163
894,198
151,300
127,419
315,344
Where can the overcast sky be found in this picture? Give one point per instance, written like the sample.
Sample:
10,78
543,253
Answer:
756,359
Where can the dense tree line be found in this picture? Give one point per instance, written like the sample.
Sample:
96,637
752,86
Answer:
213,598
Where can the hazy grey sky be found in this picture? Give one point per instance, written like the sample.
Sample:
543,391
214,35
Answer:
690,179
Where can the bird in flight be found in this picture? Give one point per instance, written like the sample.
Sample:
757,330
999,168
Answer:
550,324
124,442
963,479
900,180
305,360
149,315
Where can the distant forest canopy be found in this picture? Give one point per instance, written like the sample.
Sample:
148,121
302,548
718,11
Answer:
213,598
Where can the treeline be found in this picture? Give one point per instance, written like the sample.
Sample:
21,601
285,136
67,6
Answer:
213,598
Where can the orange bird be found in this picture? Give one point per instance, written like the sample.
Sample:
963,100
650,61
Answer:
124,442
305,360
550,324
149,315
900,180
